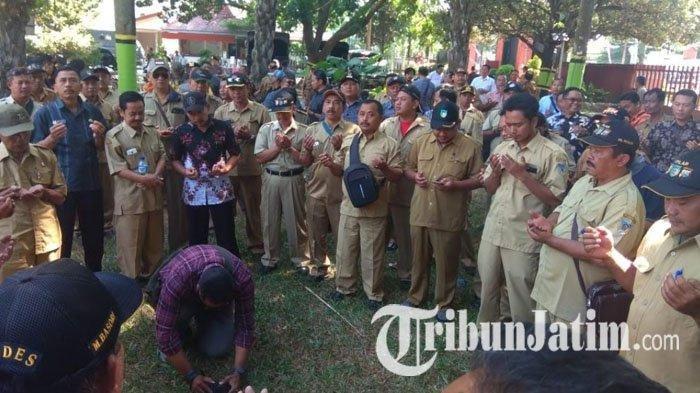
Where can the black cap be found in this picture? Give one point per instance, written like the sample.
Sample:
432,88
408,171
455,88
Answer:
101,69
349,77
86,75
682,179
236,80
200,75
282,101
59,322
411,91
194,102
396,80
514,87
35,68
614,133
445,115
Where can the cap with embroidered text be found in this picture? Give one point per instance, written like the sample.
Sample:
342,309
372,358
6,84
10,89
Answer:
282,101
59,322
236,80
14,119
614,133
396,79
349,77
445,115
194,102
158,65
467,90
682,179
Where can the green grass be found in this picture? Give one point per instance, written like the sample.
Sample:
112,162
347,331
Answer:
301,344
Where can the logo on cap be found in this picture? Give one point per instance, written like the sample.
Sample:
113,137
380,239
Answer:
443,113
603,130
680,169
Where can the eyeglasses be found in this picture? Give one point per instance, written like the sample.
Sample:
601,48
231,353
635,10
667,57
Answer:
160,75
575,99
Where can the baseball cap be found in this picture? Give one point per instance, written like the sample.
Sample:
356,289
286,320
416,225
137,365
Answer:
279,74
14,119
514,87
282,101
86,75
445,115
59,322
682,179
101,69
614,133
460,71
236,80
333,92
194,102
411,91
200,75
396,79
35,68
467,90
349,77
158,64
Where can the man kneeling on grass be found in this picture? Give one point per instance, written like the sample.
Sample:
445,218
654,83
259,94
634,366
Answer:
204,293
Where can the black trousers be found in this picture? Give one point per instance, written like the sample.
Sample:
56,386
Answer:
224,225
87,205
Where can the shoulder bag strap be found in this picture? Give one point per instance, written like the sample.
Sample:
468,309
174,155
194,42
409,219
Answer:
574,236
355,150
162,111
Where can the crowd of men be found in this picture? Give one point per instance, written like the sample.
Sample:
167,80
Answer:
573,198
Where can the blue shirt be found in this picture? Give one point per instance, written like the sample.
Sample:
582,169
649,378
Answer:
316,106
547,106
351,111
389,110
644,173
76,151
427,90
201,150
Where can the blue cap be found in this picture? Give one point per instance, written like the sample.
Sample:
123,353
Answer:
282,101
682,179
194,102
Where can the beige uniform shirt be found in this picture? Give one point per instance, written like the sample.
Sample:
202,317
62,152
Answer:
172,108
382,146
616,205
266,139
111,98
214,102
458,160
33,217
506,221
472,122
253,115
322,184
109,116
45,96
492,119
125,147
659,254
401,191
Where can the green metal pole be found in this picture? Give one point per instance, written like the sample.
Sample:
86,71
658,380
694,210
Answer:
574,75
125,38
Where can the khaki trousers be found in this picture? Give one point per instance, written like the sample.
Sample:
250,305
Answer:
467,256
139,242
517,270
322,218
246,189
24,256
361,239
400,218
551,318
283,198
107,184
444,246
177,221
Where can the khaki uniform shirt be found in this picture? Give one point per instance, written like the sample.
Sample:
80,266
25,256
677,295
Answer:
33,217
458,160
45,96
506,221
322,184
111,98
380,145
108,114
401,191
174,114
659,254
125,147
492,118
214,102
616,205
266,139
472,122
253,115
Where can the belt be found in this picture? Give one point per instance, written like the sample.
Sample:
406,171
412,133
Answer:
291,172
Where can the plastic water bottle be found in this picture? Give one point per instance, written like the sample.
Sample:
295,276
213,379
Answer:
142,168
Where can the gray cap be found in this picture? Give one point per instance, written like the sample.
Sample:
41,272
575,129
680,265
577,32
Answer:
14,119
158,64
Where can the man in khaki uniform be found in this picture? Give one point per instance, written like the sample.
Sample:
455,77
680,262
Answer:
39,186
665,279
40,93
107,95
324,189
20,84
246,118
277,148
472,118
362,231
526,174
444,165
200,80
606,196
163,110
405,128
90,93
138,189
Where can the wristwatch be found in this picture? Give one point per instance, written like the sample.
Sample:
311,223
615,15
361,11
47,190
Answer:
191,375
240,371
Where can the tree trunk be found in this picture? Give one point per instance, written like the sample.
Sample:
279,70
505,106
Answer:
458,55
547,54
13,47
265,15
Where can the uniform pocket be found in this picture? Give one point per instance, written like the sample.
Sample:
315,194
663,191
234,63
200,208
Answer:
41,176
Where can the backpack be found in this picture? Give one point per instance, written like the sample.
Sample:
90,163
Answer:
358,178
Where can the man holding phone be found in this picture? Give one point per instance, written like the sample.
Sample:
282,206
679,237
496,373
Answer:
32,186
